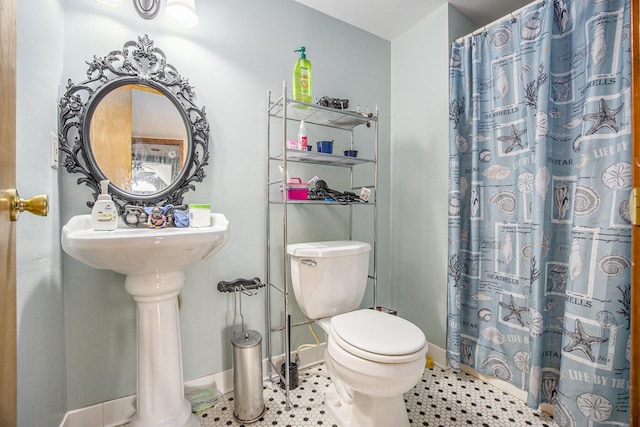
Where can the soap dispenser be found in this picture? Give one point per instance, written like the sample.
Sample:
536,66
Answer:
104,216
302,78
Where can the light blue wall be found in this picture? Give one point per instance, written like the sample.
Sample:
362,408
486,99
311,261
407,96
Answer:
76,337
239,50
419,168
39,302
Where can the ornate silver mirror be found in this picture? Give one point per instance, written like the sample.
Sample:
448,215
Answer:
133,121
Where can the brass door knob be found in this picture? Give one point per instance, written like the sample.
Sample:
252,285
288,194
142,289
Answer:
37,205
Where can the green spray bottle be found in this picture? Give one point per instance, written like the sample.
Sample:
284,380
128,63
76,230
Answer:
302,78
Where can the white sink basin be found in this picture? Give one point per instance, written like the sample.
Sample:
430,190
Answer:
143,250
153,261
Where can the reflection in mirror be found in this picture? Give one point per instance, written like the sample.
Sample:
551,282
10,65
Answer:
155,163
137,138
134,122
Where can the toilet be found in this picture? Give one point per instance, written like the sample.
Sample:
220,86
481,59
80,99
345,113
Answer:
372,357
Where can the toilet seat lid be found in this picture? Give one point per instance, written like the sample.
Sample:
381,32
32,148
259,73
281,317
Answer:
379,333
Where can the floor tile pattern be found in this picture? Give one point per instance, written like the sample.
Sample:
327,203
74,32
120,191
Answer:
441,399
447,398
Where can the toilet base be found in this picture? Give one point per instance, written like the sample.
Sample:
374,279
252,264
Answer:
366,411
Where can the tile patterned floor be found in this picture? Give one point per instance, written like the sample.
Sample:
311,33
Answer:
442,398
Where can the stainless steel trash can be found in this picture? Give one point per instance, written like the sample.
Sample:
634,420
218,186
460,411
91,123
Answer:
248,400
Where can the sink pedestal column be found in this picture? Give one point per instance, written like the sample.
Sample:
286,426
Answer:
160,395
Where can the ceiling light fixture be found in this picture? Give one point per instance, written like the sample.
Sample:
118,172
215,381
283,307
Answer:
182,13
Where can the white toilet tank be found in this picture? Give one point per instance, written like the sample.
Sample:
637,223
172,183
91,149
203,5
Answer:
329,278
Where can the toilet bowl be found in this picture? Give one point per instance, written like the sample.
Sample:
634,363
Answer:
373,358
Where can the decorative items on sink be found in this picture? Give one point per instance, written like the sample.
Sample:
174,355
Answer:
156,216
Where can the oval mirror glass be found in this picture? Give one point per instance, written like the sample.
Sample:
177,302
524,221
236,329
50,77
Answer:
138,139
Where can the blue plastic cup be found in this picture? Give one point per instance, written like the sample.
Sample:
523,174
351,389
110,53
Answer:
325,147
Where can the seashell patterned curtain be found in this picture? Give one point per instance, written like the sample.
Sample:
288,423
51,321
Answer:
539,231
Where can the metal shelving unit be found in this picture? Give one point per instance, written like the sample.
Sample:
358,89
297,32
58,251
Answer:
284,109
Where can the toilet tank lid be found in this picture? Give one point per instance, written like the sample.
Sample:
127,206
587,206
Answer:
328,249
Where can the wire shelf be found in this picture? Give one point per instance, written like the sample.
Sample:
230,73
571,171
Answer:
322,158
319,115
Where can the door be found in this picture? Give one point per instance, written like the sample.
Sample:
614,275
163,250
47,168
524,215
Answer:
7,228
635,235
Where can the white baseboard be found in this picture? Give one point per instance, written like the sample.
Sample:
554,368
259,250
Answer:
439,356
120,411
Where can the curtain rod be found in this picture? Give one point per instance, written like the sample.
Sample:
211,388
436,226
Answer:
513,15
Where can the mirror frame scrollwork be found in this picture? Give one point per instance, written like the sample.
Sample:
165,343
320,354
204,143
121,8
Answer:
139,62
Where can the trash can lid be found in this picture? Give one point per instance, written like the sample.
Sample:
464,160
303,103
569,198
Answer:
246,339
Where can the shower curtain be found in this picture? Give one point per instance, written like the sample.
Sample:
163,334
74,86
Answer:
539,231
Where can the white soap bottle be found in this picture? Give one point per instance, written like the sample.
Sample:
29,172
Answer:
104,215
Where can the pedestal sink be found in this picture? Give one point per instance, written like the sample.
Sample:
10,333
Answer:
153,261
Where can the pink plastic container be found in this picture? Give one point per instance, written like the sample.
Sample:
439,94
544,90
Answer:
297,190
